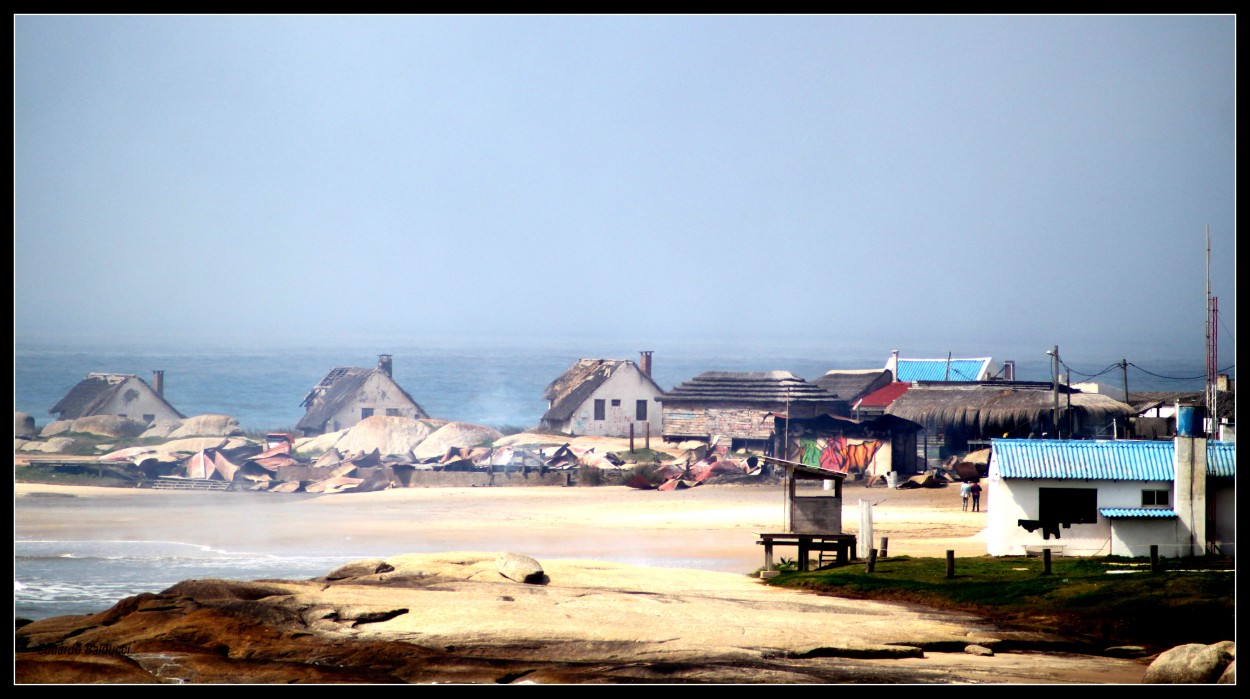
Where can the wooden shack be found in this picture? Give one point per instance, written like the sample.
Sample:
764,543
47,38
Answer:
812,517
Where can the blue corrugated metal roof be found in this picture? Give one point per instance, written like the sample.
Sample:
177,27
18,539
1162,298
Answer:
1137,512
935,370
1123,459
1222,459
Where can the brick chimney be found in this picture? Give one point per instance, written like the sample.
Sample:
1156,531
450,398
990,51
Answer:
158,382
384,363
644,362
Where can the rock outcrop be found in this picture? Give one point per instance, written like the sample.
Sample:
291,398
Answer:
209,425
24,426
1192,663
455,434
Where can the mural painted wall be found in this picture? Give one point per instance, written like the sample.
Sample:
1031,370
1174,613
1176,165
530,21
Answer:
837,453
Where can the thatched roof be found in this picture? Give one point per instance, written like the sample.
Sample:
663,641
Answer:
580,381
851,385
337,390
95,391
767,387
985,406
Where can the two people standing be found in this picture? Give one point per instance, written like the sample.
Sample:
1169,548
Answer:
970,490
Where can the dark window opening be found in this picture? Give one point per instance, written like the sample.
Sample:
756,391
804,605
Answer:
600,409
1068,505
148,418
392,412
640,412
1154,497
616,402
366,412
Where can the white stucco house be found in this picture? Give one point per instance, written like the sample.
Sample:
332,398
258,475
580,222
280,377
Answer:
1112,497
126,395
348,395
605,397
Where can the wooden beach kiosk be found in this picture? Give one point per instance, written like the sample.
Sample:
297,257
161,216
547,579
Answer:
813,520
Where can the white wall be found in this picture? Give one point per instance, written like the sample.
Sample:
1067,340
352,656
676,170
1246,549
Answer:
134,400
377,392
627,385
1015,499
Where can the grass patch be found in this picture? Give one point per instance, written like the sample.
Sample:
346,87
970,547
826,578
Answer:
1082,597
644,456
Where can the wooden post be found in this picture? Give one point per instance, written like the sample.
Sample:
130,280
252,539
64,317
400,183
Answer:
872,561
631,437
885,546
1154,558
950,564
648,435
1045,561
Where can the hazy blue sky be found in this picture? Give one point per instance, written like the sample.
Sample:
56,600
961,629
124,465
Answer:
976,184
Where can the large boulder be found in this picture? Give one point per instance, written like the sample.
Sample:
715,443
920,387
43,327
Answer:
55,427
390,435
1192,663
521,568
207,426
109,426
455,434
24,426
193,445
56,445
161,429
312,446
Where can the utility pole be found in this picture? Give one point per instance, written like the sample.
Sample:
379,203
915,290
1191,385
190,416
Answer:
1054,383
1124,373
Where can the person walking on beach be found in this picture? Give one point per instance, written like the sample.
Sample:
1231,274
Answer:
965,490
976,496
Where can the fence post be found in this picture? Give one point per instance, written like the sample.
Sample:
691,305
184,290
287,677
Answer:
950,564
885,546
1154,558
872,561
1045,561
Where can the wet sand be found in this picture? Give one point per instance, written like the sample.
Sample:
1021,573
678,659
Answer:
708,527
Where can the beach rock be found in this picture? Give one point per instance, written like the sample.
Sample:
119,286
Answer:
161,429
24,426
454,434
109,426
978,650
357,569
312,446
1192,663
387,434
56,445
523,569
1230,674
209,425
55,427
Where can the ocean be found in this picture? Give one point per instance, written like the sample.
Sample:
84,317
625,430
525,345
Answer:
498,384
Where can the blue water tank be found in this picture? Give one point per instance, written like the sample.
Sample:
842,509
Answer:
1189,420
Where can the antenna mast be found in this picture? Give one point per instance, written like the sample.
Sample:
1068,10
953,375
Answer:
1213,367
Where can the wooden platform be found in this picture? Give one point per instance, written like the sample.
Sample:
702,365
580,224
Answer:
188,484
843,545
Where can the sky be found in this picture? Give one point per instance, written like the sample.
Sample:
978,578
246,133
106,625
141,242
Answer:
975,183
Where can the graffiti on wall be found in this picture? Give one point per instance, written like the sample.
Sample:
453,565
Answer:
838,453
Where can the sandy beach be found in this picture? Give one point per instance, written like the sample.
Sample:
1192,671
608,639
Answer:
707,527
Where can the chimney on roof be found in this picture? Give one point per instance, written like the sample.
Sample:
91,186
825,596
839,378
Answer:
1009,370
158,382
384,364
645,362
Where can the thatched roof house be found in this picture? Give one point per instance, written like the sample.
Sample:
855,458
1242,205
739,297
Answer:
741,405
955,413
347,395
604,397
117,394
851,385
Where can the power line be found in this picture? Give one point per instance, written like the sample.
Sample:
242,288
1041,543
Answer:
1230,367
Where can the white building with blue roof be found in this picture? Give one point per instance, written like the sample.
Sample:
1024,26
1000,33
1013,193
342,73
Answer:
1112,497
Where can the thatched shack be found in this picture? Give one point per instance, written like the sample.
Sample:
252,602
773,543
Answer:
959,417
740,406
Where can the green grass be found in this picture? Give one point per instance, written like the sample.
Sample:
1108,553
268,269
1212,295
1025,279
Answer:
644,456
1081,597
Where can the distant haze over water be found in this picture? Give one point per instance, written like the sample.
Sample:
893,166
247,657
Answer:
497,382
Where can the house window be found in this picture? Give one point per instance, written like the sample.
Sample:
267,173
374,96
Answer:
640,413
1154,497
366,412
149,418
616,402
392,412
600,408
1068,505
